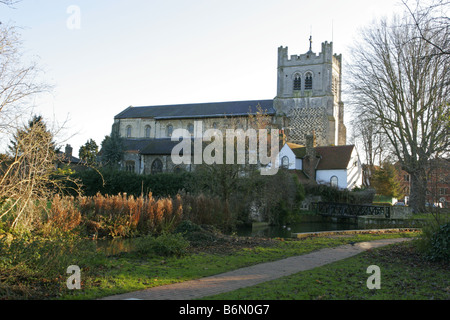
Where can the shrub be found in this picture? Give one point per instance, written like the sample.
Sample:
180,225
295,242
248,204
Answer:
439,246
187,226
113,181
167,244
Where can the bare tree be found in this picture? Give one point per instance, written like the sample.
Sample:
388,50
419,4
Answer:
398,80
9,2
370,140
28,176
435,15
18,82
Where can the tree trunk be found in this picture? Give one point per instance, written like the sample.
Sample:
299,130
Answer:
418,191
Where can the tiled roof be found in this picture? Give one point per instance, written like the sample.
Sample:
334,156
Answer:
159,147
336,157
299,152
150,146
332,157
198,110
135,145
61,156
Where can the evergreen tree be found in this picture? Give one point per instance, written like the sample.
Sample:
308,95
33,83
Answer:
37,130
112,149
386,182
88,152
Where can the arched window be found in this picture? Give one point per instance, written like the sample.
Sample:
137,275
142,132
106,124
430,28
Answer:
169,130
285,162
334,181
130,166
178,169
128,131
215,125
297,83
147,131
191,129
157,166
308,81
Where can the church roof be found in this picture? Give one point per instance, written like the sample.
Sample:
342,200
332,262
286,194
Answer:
198,110
159,147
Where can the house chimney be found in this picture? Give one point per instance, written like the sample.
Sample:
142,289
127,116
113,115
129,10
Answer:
310,144
68,152
310,161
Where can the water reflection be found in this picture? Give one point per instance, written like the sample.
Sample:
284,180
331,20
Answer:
286,231
114,246
119,245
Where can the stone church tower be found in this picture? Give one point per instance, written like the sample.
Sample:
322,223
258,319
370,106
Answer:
309,96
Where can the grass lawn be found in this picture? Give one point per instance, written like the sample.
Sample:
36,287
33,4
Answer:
103,275
131,271
403,276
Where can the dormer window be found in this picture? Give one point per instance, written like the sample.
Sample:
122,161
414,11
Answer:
308,81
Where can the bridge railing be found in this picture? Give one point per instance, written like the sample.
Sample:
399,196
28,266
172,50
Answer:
349,210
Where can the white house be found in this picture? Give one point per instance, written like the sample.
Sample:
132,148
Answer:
338,166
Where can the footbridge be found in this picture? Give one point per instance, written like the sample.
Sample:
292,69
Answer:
347,210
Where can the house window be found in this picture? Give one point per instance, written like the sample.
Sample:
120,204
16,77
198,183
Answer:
169,130
334,181
147,131
297,83
285,162
308,81
128,131
130,166
157,166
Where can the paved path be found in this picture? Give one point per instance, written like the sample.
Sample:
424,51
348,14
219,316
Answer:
252,275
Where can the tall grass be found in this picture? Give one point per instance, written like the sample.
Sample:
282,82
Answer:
124,215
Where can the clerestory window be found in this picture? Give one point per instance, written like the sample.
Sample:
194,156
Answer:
169,130
191,129
147,131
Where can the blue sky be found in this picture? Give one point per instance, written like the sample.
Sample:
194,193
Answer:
168,52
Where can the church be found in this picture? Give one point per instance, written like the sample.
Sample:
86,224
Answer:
308,101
